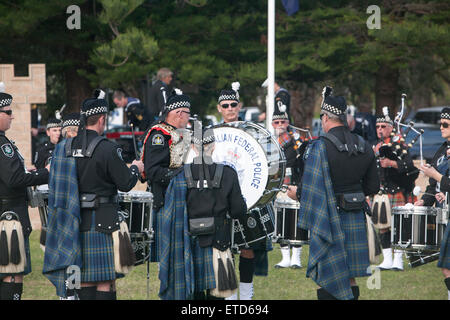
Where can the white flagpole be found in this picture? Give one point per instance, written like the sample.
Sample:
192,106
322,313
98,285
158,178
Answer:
270,64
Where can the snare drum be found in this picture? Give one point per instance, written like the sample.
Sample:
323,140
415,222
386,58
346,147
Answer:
136,210
40,198
257,225
417,228
286,219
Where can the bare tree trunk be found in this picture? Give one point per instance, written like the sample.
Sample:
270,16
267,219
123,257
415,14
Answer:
77,87
303,103
386,87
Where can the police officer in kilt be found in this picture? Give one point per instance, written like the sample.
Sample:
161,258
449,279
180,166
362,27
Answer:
229,106
395,189
164,148
44,153
439,185
339,171
290,140
14,180
101,172
219,199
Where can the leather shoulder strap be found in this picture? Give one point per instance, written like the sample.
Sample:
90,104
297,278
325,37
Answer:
94,143
188,174
218,175
68,147
339,145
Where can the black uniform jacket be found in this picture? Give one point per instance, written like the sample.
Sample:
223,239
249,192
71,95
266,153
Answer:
226,202
293,159
156,98
156,164
103,174
354,173
14,180
396,180
282,97
43,154
445,181
138,115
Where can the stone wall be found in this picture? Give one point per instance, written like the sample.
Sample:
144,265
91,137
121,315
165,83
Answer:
25,91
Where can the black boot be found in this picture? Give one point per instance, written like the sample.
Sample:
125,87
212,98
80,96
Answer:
355,291
322,294
11,291
199,295
86,293
106,295
447,283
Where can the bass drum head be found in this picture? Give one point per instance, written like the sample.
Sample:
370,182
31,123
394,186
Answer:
255,156
239,150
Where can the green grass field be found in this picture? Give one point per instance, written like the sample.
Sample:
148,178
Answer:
421,283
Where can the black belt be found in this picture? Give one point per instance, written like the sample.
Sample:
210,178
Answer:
93,201
12,201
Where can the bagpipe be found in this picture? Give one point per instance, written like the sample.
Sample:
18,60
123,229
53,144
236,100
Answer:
397,148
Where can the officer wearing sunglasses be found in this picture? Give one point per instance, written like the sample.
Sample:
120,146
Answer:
229,105
14,181
439,185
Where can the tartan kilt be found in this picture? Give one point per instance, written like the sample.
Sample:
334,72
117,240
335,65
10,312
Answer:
444,255
97,254
353,226
397,199
203,266
27,269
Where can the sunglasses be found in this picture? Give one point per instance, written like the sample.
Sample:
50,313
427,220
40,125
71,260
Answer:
444,125
8,112
279,122
233,105
186,112
321,116
382,127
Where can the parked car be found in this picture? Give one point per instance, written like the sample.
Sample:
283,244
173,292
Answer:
428,120
210,120
250,114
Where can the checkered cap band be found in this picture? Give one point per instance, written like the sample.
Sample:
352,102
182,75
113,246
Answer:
384,120
94,111
54,125
209,139
332,109
445,114
70,123
224,97
178,104
280,116
5,102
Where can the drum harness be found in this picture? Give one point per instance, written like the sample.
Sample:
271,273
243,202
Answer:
104,221
89,200
203,225
355,200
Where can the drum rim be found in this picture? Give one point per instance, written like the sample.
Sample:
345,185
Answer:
135,195
417,210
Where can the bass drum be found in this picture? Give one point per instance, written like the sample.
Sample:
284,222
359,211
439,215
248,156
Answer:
256,156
